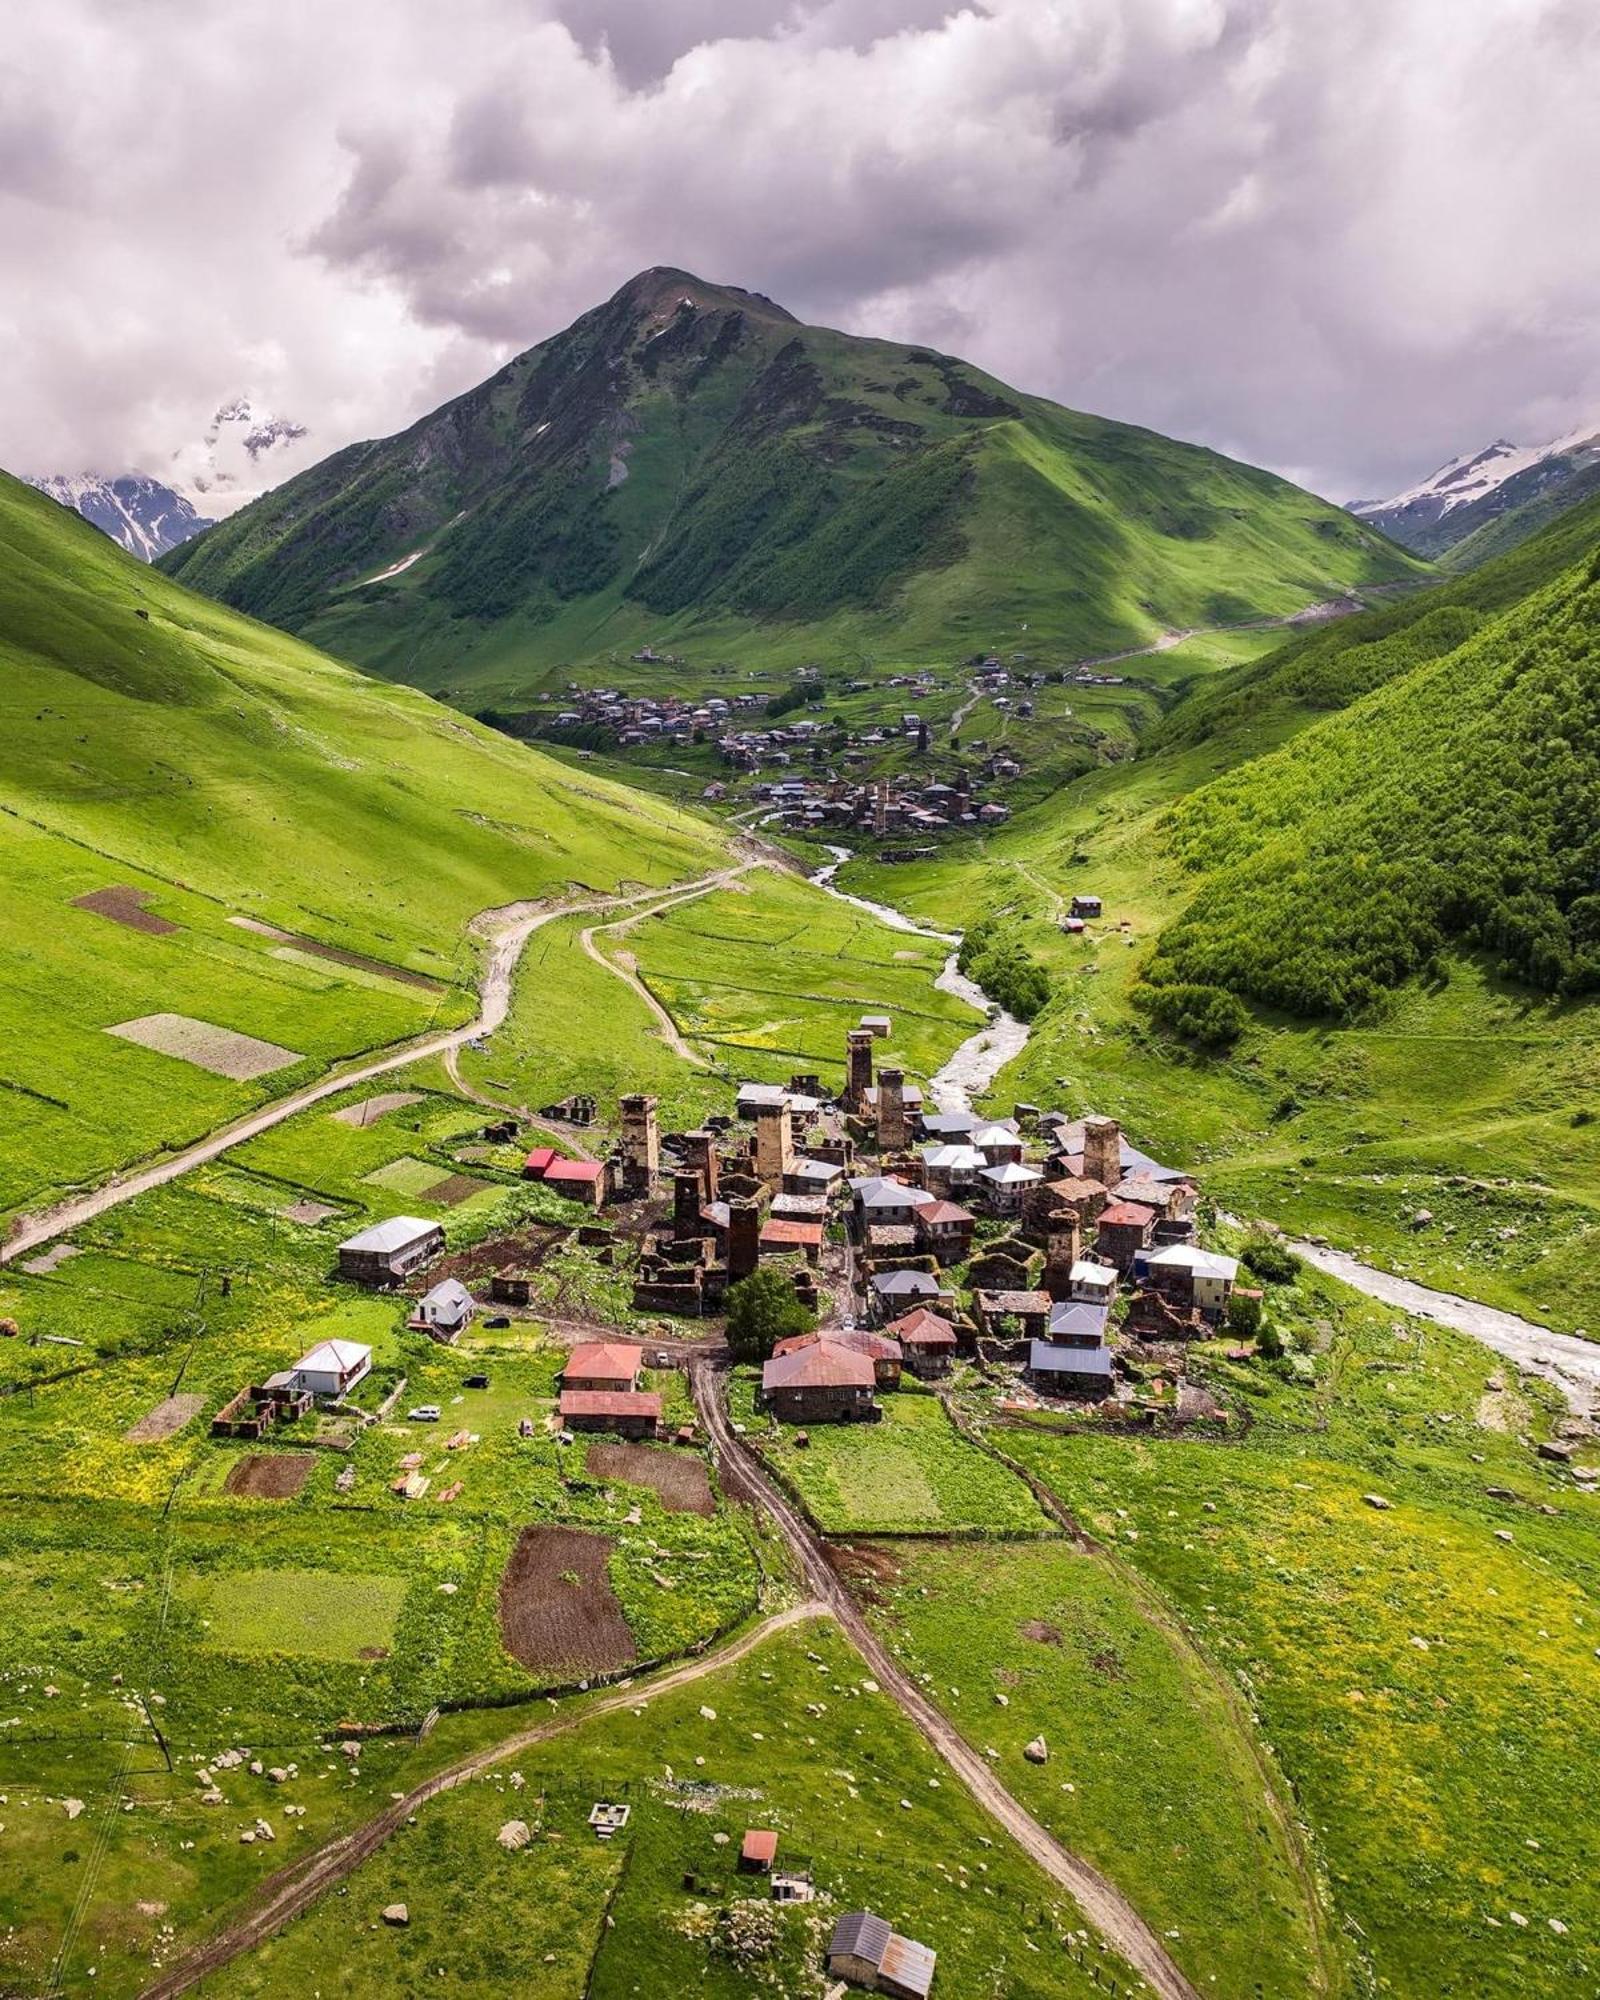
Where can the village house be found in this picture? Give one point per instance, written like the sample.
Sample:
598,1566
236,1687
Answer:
444,1311
1202,1279
927,1342
603,1365
818,1382
881,1349
886,1201
1070,1371
948,1125
757,1851
629,1415
1122,1230
1092,1284
1077,1325
388,1252
998,1143
331,1369
952,1164
1005,1186
897,1291
944,1229
866,1952
578,1180
781,1235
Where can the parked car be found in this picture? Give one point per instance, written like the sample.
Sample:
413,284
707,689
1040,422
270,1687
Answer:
475,1382
498,1324
424,1413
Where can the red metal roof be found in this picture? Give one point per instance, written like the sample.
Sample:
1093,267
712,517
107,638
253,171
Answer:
943,1211
760,1847
780,1233
819,1364
610,1403
1133,1213
605,1361
586,1171
540,1160
923,1329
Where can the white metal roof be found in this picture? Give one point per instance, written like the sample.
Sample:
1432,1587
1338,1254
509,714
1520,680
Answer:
1199,1263
1010,1173
951,1159
333,1357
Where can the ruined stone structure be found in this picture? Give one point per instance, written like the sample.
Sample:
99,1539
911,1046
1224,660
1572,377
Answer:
1062,1242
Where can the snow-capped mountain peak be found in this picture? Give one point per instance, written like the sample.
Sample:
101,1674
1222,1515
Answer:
1448,504
146,516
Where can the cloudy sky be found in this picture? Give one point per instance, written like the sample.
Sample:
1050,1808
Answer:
1343,238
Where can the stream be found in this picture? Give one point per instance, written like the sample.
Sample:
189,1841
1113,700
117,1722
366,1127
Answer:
974,1066
1571,1363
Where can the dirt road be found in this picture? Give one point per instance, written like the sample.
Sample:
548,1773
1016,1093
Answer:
292,1890
627,973
508,930
1101,1902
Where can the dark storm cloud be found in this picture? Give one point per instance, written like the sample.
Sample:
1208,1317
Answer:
1344,241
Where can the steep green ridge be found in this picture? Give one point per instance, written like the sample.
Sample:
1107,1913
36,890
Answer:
1456,802
690,466
156,742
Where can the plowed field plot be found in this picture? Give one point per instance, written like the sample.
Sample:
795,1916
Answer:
524,1251
165,1420
270,1475
373,1108
222,1051
679,1477
126,906
557,1608
309,1212
452,1189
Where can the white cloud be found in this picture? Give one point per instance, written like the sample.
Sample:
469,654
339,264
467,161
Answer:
1343,240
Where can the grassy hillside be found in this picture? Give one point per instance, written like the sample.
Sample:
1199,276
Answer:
688,465
1431,820
157,743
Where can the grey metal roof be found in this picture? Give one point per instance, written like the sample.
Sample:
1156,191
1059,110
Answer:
906,1284
1077,1322
860,1934
395,1234
1044,1358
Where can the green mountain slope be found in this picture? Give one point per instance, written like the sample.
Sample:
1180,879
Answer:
155,742
689,465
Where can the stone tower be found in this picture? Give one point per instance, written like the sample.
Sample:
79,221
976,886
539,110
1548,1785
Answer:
858,1044
774,1142
641,1139
891,1110
744,1239
1102,1151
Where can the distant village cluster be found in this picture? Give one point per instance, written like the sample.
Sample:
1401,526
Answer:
835,788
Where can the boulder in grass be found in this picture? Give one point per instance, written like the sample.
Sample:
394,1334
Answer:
1036,1752
1377,1500
514,1835
396,1915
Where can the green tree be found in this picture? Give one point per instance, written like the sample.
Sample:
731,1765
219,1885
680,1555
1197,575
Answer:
762,1310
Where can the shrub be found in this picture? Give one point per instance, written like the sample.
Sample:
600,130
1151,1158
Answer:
1271,1261
1208,1015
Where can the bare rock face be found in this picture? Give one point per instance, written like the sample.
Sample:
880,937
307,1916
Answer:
1036,1752
397,1916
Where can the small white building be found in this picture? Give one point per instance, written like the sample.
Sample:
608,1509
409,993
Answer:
1204,1277
332,1368
445,1310
1006,1185
1092,1284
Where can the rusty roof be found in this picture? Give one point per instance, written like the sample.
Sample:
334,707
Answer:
610,1403
605,1361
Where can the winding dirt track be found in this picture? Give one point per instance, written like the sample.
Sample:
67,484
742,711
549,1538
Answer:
292,1890
508,930
1101,1902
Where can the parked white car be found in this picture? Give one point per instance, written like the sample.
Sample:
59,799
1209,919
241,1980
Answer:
424,1413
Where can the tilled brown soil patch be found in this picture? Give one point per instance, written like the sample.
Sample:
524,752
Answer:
679,1477
165,1420
526,1250
558,1612
126,906
1038,1630
275,1475
453,1188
